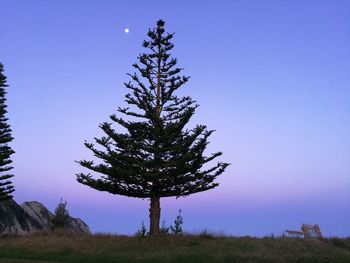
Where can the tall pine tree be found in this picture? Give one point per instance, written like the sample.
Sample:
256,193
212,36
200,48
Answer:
156,156
6,187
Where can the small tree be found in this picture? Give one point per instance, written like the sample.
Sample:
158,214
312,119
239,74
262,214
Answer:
164,229
142,232
156,156
6,187
61,216
177,228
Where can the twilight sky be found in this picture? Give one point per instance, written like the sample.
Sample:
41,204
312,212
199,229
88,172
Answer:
272,77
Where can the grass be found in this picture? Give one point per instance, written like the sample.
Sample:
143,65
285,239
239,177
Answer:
202,248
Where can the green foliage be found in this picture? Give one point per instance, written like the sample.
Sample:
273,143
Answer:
177,228
156,156
164,229
6,187
142,232
61,216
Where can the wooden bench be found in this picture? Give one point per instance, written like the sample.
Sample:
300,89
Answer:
307,232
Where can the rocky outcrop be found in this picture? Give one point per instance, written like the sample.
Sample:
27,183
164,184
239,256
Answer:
38,212
13,219
31,217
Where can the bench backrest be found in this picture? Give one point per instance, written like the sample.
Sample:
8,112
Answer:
312,231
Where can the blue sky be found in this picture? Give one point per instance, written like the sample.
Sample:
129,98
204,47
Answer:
272,78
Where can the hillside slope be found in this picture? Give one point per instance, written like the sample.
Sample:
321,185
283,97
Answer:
170,249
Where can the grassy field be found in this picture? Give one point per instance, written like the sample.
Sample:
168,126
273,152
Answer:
182,249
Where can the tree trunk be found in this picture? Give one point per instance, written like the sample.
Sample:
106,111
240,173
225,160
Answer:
154,210
154,216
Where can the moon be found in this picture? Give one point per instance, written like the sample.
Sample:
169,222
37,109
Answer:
126,30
